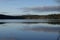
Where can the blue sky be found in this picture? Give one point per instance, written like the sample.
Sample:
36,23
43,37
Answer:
13,7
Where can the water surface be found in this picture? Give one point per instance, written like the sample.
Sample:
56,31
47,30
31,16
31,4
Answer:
16,30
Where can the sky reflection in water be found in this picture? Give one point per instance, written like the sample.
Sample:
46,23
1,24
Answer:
29,31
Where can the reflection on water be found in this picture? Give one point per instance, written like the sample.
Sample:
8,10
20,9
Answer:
58,38
54,21
2,22
38,28
32,21
29,31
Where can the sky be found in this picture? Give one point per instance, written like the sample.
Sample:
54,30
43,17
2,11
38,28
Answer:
34,7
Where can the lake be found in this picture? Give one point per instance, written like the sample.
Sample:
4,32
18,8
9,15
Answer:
29,29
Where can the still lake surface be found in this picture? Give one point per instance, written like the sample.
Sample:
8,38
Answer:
30,29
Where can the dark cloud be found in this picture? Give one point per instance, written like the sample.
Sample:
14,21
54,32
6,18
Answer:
42,9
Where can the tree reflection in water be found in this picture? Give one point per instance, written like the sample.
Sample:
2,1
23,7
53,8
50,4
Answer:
2,22
42,29
54,23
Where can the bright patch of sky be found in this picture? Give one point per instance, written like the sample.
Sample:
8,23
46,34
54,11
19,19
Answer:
12,7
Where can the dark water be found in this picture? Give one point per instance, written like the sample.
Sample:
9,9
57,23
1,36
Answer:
22,30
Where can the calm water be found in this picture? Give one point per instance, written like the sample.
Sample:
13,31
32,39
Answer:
30,20
29,30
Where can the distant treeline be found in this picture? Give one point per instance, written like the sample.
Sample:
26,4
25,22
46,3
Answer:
54,16
51,16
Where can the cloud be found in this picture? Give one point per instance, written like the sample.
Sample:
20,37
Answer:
4,12
42,9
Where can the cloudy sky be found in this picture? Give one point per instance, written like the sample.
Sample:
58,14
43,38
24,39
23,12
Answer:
22,7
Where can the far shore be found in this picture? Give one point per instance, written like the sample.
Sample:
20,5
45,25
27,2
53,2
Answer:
50,16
